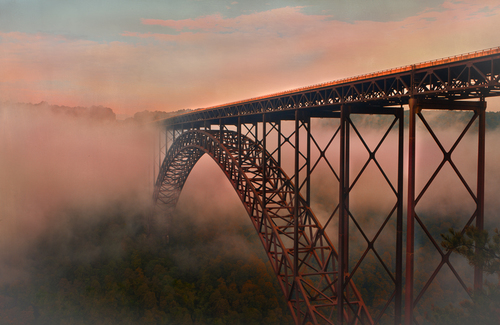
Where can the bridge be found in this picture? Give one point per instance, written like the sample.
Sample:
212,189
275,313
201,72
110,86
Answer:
270,150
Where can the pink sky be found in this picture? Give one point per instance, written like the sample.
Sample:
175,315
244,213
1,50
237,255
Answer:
213,59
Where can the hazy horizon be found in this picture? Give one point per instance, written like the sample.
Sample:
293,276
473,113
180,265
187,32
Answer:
149,55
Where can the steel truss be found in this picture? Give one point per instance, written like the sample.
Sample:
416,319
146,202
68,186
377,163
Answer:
252,141
280,210
390,305
311,281
300,252
417,105
466,76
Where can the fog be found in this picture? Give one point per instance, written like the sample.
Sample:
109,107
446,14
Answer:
445,204
64,169
54,161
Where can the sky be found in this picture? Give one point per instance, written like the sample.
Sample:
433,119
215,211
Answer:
167,55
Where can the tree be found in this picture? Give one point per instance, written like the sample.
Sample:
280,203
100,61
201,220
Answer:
483,251
476,246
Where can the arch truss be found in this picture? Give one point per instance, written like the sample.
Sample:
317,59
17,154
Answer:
250,145
302,256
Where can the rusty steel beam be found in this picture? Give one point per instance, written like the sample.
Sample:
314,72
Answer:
417,105
318,282
348,306
298,248
475,75
478,271
349,221
410,220
343,216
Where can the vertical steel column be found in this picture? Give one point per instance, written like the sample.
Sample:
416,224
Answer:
343,211
399,223
159,150
308,161
221,136
221,130
166,141
264,167
410,205
478,271
296,216
347,171
279,143
410,217
255,125
239,141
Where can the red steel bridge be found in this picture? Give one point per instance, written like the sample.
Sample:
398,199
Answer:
269,151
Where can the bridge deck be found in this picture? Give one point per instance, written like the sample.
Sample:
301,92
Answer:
466,76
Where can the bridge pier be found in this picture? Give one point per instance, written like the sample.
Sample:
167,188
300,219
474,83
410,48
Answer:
300,140
417,105
344,300
348,129
258,139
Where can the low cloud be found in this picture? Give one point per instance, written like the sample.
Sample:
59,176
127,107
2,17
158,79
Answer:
214,59
53,162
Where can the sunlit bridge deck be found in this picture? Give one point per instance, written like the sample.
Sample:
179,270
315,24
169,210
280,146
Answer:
269,151
465,76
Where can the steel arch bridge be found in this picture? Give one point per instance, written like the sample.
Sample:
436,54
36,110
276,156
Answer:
307,279
256,140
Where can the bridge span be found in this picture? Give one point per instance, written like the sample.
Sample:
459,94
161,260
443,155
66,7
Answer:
270,151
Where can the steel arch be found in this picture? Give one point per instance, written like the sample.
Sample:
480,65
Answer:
301,254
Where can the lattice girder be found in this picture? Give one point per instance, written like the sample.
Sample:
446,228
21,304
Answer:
310,290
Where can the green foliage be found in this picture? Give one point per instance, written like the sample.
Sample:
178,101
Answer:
483,251
139,279
484,309
477,246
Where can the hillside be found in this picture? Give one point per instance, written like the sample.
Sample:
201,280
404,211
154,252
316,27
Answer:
112,272
90,261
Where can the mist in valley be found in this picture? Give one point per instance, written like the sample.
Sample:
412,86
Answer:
75,189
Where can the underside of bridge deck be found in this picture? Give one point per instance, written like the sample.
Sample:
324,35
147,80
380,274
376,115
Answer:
318,148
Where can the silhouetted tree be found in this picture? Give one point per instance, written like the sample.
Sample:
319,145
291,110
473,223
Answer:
476,246
483,251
